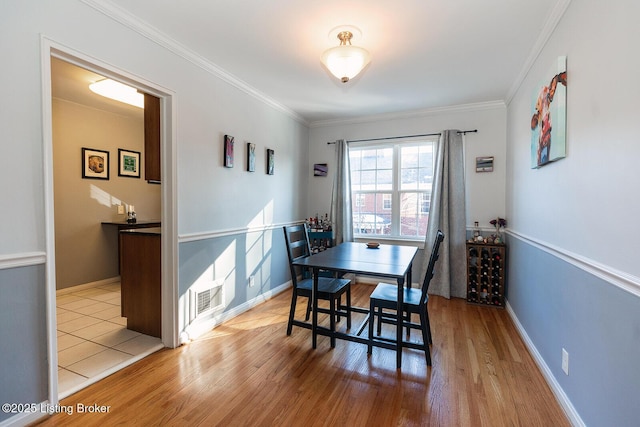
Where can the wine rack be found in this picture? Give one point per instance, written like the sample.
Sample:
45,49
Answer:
486,273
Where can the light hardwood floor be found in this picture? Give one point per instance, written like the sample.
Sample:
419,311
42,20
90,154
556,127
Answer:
247,372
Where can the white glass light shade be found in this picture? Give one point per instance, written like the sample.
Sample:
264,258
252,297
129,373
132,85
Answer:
118,91
345,61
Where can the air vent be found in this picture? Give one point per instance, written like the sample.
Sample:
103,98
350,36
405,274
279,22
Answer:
205,300
208,300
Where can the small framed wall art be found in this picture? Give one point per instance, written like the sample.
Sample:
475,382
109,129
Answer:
228,151
484,164
320,169
251,157
95,164
270,161
128,163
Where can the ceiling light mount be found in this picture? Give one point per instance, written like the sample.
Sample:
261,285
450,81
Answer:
345,61
118,91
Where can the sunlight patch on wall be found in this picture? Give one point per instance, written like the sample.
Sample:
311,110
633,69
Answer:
255,252
263,217
100,195
225,268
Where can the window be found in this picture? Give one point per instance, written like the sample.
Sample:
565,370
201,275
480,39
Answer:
386,202
391,187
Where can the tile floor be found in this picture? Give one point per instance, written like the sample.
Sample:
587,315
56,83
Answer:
93,338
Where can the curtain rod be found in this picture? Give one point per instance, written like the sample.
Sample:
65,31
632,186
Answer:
464,132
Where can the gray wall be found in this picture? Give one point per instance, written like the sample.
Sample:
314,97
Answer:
23,336
563,306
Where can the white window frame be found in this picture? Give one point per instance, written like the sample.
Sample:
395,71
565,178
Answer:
395,191
385,198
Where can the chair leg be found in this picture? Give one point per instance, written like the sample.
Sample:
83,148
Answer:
426,314
379,321
332,320
426,336
292,311
306,317
372,319
338,316
349,307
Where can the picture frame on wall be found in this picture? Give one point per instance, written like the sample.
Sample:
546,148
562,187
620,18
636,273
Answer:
128,163
228,151
320,169
270,161
251,157
484,164
95,164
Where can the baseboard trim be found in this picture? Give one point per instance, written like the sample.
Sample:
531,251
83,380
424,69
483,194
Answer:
89,285
196,329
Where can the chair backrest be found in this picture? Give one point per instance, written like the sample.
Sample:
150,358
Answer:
297,240
432,263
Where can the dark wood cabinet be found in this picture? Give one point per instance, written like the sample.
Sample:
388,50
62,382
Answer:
486,273
140,280
152,138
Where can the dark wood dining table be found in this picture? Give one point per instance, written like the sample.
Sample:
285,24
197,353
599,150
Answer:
387,261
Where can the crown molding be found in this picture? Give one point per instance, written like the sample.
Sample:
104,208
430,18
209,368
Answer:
144,29
478,106
549,27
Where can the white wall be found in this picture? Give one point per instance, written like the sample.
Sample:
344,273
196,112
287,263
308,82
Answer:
211,199
587,203
485,191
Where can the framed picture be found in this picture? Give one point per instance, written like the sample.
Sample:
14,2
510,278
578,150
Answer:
484,164
251,157
128,163
270,161
549,116
228,151
95,164
320,169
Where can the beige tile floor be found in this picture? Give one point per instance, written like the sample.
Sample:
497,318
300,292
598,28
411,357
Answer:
93,338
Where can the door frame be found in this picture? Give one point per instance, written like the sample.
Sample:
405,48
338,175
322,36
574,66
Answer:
169,211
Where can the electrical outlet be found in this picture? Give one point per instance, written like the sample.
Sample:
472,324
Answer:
565,361
120,210
252,281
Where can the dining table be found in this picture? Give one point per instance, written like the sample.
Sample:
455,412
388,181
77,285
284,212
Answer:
385,261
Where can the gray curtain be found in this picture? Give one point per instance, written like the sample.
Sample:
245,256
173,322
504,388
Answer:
447,213
341,196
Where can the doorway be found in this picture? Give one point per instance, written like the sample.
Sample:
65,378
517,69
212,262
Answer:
87,337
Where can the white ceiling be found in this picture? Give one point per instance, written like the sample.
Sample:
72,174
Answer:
425,53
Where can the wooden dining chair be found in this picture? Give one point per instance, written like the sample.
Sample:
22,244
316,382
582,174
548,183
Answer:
385,297
329,288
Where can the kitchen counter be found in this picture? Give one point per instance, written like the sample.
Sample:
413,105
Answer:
122,225
150,231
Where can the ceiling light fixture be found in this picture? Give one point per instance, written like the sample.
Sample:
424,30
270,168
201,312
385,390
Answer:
118,91
345,61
